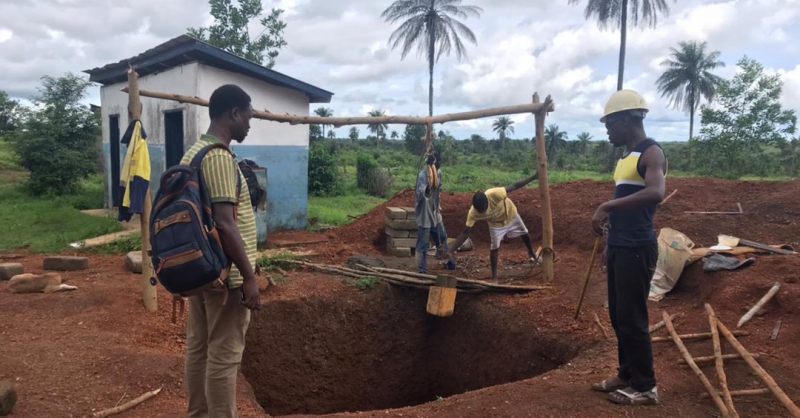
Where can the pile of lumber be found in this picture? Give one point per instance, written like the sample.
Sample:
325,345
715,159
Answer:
415,280
401,231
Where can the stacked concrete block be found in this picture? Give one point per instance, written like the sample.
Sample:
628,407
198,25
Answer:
401,231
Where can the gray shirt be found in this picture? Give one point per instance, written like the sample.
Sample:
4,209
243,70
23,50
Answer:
427,205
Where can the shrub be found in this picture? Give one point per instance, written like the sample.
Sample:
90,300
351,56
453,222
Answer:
323,180
365,165
379,183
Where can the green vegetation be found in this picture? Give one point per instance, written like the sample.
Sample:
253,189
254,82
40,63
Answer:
283,261
365,283
122,246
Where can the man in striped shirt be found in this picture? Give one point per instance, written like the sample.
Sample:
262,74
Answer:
218,321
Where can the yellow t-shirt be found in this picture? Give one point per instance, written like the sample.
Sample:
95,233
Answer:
500,213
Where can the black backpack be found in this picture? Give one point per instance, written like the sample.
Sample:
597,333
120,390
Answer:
185,246
256,193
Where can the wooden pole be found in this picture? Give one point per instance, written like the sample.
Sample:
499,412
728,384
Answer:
720,365
710,359
766,298
149,294
126,406
661,324
548,252
688,357
762,374
745,392
588,275
363,120
697,336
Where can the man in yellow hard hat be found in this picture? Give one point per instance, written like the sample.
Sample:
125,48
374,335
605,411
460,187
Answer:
632,249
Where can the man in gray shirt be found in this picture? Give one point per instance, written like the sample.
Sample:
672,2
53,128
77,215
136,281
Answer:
428,202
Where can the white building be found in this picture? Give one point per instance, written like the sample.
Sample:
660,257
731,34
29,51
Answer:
194,68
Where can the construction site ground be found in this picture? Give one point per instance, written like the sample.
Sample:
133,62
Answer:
320,345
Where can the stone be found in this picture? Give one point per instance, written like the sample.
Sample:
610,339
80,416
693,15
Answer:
63,263
8,398
410,213
405,224
397,233
134,261
9,270
466,246
395,213
398,252
403,242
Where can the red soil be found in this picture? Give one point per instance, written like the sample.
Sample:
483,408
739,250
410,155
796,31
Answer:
70,354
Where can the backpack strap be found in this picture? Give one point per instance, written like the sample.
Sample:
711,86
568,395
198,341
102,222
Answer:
197,163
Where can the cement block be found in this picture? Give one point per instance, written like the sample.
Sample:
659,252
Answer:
410,214
395,213
61,263
134,261
403,242
8,398
398,252
404,224
397,233
9,270
413,233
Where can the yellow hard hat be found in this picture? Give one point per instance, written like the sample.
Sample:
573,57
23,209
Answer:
624,100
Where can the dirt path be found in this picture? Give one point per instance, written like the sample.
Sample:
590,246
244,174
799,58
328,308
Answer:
72,353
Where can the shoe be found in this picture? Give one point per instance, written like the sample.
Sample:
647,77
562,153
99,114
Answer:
630,396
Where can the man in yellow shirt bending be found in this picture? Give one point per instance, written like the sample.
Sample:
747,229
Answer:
494,207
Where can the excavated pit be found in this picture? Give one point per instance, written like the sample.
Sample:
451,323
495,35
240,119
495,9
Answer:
379,349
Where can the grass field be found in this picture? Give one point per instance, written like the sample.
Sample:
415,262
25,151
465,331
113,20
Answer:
46,223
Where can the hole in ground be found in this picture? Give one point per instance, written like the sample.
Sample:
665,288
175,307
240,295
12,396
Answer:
379,349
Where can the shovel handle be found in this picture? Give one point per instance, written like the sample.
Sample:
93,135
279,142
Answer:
588,275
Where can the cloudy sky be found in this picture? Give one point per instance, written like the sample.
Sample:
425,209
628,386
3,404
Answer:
341,45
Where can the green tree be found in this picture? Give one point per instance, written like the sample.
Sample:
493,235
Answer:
502,126
429,25
378,129
230,30
9,114
323,180
58,139
614,14
688,77
354,134
314,133
394,135
414,137
555,139
324,112
331,134
749,118
584,138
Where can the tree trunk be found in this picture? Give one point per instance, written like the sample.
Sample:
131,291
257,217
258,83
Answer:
691,114
431,56
623,30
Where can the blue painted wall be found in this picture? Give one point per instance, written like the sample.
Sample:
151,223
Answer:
287,181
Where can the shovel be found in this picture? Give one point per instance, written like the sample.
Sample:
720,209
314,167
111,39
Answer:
734,242
588,275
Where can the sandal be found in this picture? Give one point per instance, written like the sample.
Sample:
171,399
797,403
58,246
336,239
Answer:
630,396
610,385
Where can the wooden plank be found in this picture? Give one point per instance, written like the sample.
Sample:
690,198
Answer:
776,330
102,240
703,379
720,365
441,301
762,374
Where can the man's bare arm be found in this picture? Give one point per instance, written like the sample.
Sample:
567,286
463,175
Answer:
522,183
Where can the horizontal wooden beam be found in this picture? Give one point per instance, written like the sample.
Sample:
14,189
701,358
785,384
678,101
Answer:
365,120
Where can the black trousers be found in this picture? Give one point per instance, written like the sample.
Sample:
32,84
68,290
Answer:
630,270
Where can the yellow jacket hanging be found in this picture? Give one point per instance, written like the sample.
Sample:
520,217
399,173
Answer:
135,176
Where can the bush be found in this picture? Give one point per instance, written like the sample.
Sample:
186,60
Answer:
365,165
58,139
379,183
323,180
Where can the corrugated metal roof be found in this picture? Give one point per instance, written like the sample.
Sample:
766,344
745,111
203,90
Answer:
185,49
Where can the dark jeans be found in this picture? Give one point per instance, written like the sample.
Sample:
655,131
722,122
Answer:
439,235
630,270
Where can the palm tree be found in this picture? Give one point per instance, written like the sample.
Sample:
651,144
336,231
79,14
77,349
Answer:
688,77
502,125
555,139
394,135
354,134
331,134
324,112
615,13
429,25
378,129
584,138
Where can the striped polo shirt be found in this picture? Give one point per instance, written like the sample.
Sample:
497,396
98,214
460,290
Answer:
219,171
